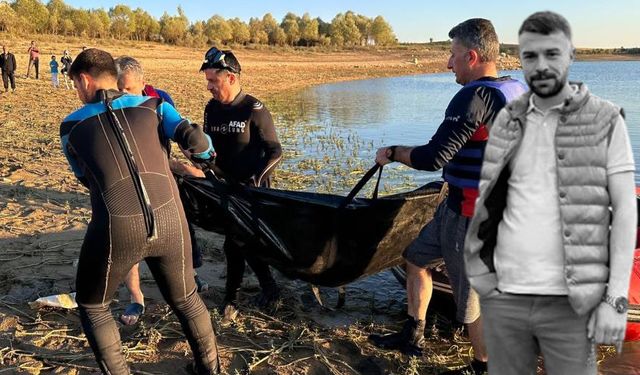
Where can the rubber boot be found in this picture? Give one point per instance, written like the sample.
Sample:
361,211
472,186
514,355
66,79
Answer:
410,340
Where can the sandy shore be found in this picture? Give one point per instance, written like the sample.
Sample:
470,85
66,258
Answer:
44,212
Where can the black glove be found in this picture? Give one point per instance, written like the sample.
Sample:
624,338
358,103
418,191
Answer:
204,163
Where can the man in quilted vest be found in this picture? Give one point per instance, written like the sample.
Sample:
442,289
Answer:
550,247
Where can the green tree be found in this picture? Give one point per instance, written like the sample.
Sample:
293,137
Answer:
239,31
257,34
218,30
291,29
99,23
81,20
270,25
309,32
324,28
279,36
146,25
68,28
382,32
57,9
196,35
344,30
122,21
173,29
32,14
9,20
364,26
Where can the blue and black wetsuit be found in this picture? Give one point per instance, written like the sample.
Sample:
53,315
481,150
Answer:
115,148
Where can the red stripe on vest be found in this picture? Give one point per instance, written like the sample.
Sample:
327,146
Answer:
468,204
481,134
150,91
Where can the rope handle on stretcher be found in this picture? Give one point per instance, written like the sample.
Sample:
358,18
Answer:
363,181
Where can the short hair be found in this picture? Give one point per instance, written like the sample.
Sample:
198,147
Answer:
478,34
94,62
127,64
545,23
53,56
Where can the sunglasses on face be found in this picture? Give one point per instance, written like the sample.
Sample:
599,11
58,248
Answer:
214,58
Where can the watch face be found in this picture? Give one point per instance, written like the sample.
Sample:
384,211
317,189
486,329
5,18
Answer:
622,304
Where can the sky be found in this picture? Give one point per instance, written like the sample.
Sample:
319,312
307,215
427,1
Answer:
595,23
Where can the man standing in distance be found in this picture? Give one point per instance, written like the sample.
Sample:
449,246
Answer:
34,58
114,145
248,151
8,68
457,147
131,81
550,247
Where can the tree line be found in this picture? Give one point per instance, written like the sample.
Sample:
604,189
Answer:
121,22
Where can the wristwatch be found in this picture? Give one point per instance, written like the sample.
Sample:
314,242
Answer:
391,152
621,304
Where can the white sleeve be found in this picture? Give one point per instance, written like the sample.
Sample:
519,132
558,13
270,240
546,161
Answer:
619,154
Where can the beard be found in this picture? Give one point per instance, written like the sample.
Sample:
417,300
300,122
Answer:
547,91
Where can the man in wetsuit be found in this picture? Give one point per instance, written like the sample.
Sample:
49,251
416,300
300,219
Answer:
131,81
114,144
457,147
248,151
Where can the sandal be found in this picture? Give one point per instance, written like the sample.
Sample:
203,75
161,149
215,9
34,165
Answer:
132,314
202,285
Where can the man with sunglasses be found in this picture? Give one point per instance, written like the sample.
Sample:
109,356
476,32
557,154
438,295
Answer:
248,151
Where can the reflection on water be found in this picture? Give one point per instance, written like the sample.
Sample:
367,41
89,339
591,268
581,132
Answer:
330,132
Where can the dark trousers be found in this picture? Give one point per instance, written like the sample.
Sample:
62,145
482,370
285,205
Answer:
36,65
518,327
107,255
8,77
237,251
196,252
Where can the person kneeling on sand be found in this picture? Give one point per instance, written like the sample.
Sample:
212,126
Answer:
131,80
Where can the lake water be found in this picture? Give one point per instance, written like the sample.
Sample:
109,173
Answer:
363,115
331,132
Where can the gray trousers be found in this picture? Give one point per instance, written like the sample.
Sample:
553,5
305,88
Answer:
518,327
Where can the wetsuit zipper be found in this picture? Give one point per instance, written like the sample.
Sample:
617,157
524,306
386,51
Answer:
141,191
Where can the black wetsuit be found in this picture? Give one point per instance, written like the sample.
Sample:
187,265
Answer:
118,153
248,151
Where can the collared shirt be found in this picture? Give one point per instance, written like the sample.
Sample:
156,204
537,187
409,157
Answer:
529,255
